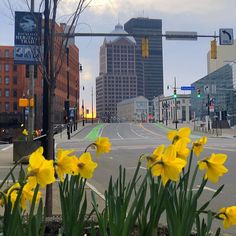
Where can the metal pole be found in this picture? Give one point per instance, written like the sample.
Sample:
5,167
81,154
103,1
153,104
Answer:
31,92
68,94
92,105
176,115
83,110
208,111
166,112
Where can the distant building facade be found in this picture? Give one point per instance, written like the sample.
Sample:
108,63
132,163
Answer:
117,78
149,70
225,54
218,96
14,80
134,109
169,108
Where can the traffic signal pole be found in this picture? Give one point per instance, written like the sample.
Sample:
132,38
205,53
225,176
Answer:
176,115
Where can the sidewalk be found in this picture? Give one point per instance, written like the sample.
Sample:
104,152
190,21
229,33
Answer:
220,133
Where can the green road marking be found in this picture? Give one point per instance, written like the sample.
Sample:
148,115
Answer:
94,133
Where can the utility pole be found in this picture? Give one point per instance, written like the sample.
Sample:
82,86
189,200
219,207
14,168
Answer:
176,112
92,105
31,93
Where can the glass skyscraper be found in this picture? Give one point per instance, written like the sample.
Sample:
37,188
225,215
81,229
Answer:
149,70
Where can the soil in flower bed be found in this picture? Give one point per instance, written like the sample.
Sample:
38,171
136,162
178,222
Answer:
53,224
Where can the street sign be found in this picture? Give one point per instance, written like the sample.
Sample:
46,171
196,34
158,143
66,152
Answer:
28,27
206,89
181,35
226,37
187,88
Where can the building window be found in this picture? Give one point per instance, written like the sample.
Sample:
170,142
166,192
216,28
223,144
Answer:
27,71
6,67
7,80
15,80
7,107
14,67
14,93
0,93
7,92
6,53
0,80
15,106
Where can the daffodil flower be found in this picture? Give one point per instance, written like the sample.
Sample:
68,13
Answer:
228,214
214,166
157,153
65,164
26,195
25,132
168,166
182,150
198,145
85,165
103,145
182,133
40,170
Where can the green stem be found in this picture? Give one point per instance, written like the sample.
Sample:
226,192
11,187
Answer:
90,145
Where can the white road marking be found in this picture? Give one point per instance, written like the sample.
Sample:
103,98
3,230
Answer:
8,147
137,133
95,190
117,132
207,188
102,130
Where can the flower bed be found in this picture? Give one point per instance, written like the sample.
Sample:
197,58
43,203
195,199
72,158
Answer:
132,207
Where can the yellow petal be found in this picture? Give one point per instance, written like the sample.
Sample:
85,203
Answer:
169,154
218,158
171,135
184,132
159,150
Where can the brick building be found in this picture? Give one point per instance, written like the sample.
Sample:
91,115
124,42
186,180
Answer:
14,84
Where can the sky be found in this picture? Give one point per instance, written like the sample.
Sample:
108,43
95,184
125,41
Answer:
185,60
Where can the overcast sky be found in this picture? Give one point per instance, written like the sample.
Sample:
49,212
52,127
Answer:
185,60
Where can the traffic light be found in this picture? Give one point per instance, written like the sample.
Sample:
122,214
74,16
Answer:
175,95
145,47
198,93
213,49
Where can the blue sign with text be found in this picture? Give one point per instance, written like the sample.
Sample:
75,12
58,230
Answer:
28,27
187,88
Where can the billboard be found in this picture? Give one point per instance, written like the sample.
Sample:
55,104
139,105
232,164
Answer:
28,27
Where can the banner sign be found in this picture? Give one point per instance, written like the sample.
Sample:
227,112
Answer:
28,27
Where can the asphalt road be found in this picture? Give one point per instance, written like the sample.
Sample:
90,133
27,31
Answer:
130,140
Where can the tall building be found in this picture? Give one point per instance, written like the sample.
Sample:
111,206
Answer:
225,54
14,80
117,78
149,70
217,95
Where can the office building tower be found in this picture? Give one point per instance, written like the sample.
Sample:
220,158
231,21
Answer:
149,70
117,78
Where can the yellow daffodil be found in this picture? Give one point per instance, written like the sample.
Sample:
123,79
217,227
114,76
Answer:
103,145
214,166
25,132
198,145
85,165
182,133
182,150
26,195
228,214
66,164
168,166
157,153
40,170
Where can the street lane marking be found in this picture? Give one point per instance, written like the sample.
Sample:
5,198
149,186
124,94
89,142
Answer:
95,190
117,132
219,148
8,147
207,188
137,133
141,125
